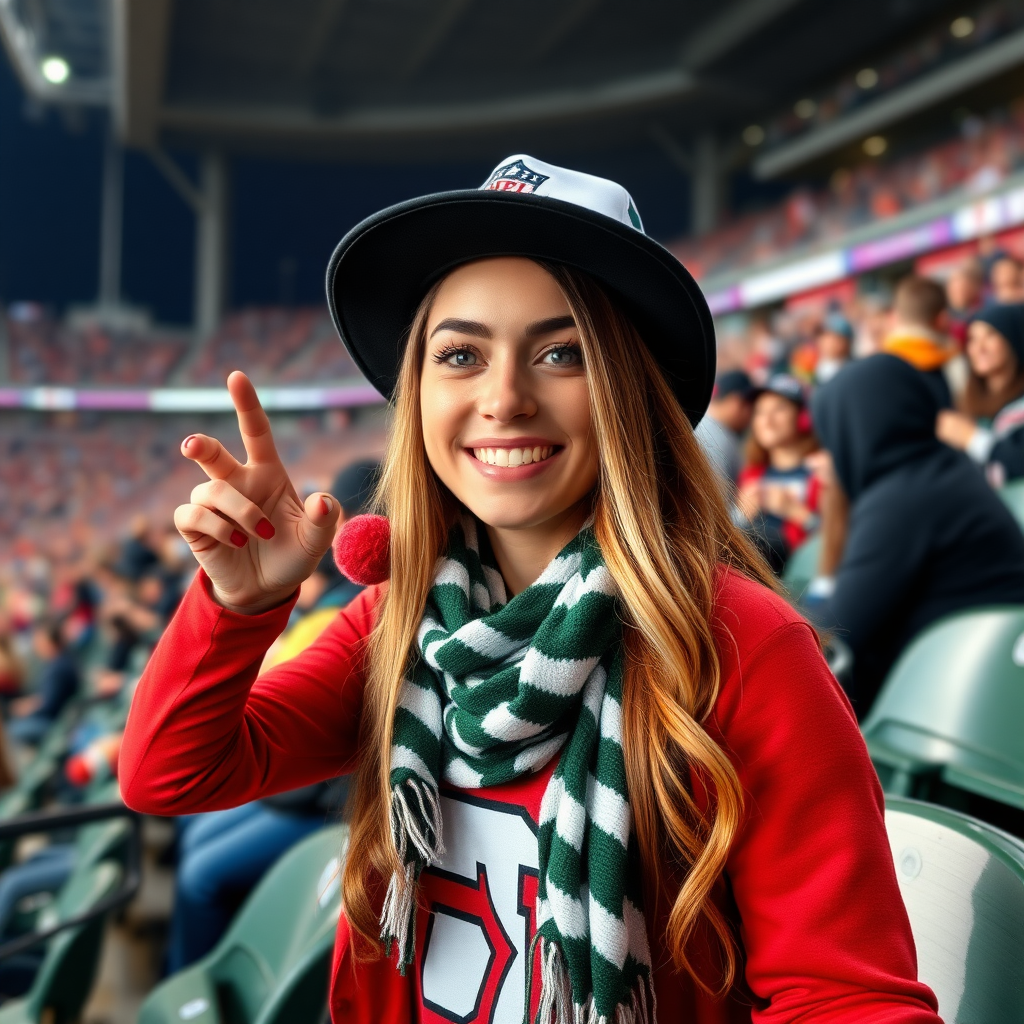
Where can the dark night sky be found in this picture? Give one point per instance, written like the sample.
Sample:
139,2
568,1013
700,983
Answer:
286,216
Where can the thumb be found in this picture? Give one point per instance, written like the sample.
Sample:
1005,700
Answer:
322,514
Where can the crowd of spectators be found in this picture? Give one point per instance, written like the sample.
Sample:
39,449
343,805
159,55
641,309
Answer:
276,344
986,152
883,426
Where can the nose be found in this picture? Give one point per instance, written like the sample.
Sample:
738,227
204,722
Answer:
505,392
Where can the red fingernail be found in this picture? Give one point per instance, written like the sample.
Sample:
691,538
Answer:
188,440
265,529
239,539
325,505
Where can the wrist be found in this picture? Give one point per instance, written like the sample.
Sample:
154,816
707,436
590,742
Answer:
257,607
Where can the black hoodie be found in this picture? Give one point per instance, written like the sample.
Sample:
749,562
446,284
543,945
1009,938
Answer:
927,535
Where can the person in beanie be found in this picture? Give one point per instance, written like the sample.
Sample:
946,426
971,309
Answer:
720,432
590,736
989,425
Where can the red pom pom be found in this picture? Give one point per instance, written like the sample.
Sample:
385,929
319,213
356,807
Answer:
78,770
362,550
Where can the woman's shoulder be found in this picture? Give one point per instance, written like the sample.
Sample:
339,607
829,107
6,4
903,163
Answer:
746,612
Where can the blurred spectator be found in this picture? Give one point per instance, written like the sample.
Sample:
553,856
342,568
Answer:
919,337
721,431
990,423
777,491
965,291
58,682
926,538
1007,281
834,347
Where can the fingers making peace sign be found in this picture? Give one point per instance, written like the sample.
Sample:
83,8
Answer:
246,526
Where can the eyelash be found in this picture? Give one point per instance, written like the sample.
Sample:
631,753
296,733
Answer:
452,349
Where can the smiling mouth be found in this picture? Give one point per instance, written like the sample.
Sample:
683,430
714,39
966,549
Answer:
512,457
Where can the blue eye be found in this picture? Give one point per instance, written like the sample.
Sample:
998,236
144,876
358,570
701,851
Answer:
452,355
565,355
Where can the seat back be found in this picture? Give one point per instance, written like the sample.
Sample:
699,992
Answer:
802,567
289,918
963,885
1013,495
955,702
65,977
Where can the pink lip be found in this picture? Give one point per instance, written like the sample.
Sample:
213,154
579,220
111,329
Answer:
512,442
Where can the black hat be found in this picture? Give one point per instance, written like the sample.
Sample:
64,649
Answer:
784,385
384,266
1008,320
733,382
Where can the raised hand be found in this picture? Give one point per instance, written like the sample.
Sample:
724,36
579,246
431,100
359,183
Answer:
246,525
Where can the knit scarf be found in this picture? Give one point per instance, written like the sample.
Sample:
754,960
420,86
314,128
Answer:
500,686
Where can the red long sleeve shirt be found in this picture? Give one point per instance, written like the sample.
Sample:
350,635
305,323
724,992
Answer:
809,881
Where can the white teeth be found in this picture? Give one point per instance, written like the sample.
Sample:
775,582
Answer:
513,457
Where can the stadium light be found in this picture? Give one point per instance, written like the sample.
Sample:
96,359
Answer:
961,28
876,145
753,135
55,70
867,78
805,109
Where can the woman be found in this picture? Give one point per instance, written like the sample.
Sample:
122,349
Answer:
990,423
778,493
590,740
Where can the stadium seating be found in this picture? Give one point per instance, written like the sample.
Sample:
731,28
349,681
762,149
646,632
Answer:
271,966
1013,494
65,976
802,567
952,708
963,885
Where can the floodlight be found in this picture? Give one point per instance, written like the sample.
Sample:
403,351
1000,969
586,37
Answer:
867,78
805,109
55,70
876,145
961,28
753,135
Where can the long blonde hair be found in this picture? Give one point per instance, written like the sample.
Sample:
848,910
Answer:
665,532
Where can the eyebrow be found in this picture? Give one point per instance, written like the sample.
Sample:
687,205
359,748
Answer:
478,330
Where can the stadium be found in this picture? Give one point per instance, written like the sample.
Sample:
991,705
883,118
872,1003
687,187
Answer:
746,277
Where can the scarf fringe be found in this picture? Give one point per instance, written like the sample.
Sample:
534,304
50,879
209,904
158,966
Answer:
415,822
557,1005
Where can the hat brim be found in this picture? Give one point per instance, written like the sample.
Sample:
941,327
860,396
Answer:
383,267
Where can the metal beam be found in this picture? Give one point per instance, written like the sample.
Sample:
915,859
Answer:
729,29
919,95
434,35
177,178
140,29
621,96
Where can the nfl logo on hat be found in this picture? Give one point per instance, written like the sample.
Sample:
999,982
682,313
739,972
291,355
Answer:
514,177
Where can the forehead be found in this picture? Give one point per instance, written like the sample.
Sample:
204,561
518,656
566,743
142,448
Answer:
500,287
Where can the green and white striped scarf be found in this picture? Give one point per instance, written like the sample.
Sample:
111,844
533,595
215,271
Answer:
499,688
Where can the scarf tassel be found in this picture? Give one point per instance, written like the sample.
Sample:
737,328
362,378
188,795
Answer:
416,828
557,1005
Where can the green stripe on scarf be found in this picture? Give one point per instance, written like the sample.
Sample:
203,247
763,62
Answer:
500,686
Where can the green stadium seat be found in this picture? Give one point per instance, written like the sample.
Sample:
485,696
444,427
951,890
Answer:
65,976
952,710
802,567
271,966
1013,494
963,885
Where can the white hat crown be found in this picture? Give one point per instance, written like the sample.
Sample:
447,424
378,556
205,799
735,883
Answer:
525,175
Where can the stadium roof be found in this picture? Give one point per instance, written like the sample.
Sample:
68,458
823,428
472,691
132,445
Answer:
426,79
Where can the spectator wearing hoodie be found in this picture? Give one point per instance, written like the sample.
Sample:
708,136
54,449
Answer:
989,425
926,536
919,336
778,493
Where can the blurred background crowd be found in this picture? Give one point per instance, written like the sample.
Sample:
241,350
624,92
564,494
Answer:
845,180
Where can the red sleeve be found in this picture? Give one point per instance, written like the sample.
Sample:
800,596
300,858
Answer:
748,474
204,733
824,929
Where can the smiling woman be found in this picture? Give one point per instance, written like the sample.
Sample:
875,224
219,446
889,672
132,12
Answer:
587,730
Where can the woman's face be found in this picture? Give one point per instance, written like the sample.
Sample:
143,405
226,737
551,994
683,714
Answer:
774,421
987,350
503,395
